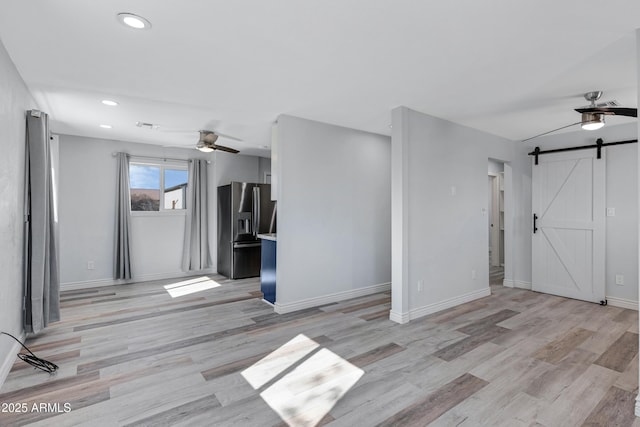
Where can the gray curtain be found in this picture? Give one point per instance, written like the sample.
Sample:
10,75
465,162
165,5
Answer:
41,268
122,237
195,253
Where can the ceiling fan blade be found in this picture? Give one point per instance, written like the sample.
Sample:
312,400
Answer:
228,136
177,146
223,148
610,111
177,130
209,132
551,131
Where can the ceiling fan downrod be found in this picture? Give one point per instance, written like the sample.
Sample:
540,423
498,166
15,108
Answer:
593,97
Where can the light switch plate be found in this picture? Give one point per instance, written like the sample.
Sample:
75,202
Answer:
611,211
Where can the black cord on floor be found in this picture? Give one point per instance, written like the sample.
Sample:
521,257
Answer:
33,360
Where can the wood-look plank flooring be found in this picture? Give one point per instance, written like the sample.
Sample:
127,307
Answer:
132,355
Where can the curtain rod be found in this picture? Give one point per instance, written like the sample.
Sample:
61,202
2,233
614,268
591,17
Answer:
599,144
164,159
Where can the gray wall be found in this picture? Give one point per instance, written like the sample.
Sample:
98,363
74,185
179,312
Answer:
15,99
637,124
87,195
621,194
264,167
334,232
495,167
440,195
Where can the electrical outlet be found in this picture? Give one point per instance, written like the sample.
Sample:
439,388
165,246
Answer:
619,279
91,265
473,274
454,190
420,283
611,211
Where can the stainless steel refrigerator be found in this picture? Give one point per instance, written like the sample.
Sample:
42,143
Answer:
244,211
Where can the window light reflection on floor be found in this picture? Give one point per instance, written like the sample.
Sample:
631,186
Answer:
306,393
278,361
190,286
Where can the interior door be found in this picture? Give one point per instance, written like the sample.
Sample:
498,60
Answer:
569,225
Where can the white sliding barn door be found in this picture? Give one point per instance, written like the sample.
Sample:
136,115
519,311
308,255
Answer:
569,243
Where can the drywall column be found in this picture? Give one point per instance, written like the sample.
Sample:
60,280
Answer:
509,258
15,100
400,215
638,95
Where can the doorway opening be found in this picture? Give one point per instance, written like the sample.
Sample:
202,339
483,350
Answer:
496,221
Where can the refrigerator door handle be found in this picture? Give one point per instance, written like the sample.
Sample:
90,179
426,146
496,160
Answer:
256,209
253,212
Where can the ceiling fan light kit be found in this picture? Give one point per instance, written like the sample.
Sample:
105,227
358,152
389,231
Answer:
592,121
203,147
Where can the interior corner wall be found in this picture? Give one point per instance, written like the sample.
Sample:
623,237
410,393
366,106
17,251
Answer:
447,202
334,213
14,102
86,211
264,167
621,243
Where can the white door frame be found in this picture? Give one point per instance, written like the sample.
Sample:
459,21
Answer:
495,220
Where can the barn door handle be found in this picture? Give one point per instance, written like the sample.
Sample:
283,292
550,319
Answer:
535,226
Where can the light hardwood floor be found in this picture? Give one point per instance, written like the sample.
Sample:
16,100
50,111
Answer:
134,355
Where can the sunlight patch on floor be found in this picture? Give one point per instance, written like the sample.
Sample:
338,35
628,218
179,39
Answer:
278,361
190,286
305,394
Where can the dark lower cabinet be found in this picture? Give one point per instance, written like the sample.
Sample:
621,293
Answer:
268,270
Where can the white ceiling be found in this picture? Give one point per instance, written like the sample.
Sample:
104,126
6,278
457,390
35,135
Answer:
511,68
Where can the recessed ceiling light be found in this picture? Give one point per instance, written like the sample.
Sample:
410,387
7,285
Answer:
134,21
110,103
106,126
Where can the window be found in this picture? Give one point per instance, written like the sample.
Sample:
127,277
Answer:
175,188
157,187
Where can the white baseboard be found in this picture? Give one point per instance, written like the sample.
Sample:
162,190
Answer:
401,318
622,303
7,363
87,284
439,306
517,284
328,299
